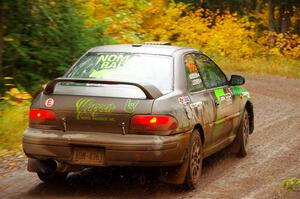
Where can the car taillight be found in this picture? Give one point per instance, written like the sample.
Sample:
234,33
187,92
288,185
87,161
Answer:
41,116
153,123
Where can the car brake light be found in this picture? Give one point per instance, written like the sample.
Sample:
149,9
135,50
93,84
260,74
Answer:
40,116
153,123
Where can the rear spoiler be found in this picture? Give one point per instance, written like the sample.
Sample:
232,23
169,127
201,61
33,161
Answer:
150,91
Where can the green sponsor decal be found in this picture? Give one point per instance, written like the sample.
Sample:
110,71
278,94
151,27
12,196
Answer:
88,109
237,90
99,74
108,62
240,91
130,105
218,93
111,61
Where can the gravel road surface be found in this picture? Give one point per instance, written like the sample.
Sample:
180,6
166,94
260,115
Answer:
273,155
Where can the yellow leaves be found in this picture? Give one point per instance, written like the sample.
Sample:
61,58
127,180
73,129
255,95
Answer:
130,5
291,184
52,4
287,45
275,51
229,37
4,98
14,96
13,123
17,95
8,39
175,10
227,34
203,29
280,36
117,3
13,91
8,84
123,18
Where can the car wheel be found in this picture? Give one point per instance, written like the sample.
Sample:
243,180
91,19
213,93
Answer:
52,177
194,169
243,135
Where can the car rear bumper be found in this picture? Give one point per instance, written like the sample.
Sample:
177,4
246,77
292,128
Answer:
119,150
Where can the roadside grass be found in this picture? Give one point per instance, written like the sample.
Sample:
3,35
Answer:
291,184
288,188
272,66
13,121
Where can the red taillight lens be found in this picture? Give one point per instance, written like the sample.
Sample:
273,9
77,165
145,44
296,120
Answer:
40,116
153,123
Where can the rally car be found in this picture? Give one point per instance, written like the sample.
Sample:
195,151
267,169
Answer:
144,105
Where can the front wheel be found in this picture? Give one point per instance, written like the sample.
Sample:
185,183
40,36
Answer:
194,169
243,135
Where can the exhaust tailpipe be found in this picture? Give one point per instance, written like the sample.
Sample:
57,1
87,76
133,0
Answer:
61,167
48,166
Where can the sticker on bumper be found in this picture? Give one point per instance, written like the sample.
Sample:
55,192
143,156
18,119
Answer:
49,102
184,100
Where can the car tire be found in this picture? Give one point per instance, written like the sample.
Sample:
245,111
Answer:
52,177
195,156
243,135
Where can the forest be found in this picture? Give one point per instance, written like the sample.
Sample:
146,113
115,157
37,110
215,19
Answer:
41,39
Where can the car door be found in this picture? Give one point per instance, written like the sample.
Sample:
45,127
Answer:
202,104
216,83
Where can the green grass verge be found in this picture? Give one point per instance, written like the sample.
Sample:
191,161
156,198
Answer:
272,66
291,184
13,121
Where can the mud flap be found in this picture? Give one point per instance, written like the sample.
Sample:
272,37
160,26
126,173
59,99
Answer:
176,175
234,147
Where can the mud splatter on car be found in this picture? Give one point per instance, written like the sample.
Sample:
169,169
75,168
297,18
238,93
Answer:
138,105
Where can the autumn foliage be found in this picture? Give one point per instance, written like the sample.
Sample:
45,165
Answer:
40,39
222,34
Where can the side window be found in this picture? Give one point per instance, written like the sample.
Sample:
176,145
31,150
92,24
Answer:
212,75
193,77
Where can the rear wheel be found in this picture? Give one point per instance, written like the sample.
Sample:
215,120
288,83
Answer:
243,135
52,177
195,161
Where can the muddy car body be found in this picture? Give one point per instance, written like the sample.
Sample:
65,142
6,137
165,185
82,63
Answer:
137,105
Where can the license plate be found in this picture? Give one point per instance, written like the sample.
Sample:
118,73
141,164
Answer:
88,156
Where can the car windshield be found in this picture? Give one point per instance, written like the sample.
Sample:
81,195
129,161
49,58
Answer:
153,69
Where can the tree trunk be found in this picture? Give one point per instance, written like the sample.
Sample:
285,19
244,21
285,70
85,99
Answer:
271,16
259,6
1,34
271,23
200,3
285,12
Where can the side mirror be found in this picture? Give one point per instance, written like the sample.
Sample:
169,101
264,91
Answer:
237,80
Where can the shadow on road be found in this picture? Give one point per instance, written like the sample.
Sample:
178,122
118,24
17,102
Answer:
122,182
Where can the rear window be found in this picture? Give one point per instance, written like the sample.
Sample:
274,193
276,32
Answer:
154,69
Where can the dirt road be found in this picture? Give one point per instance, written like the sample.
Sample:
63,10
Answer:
273,155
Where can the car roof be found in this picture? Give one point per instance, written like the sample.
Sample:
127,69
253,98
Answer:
140,48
